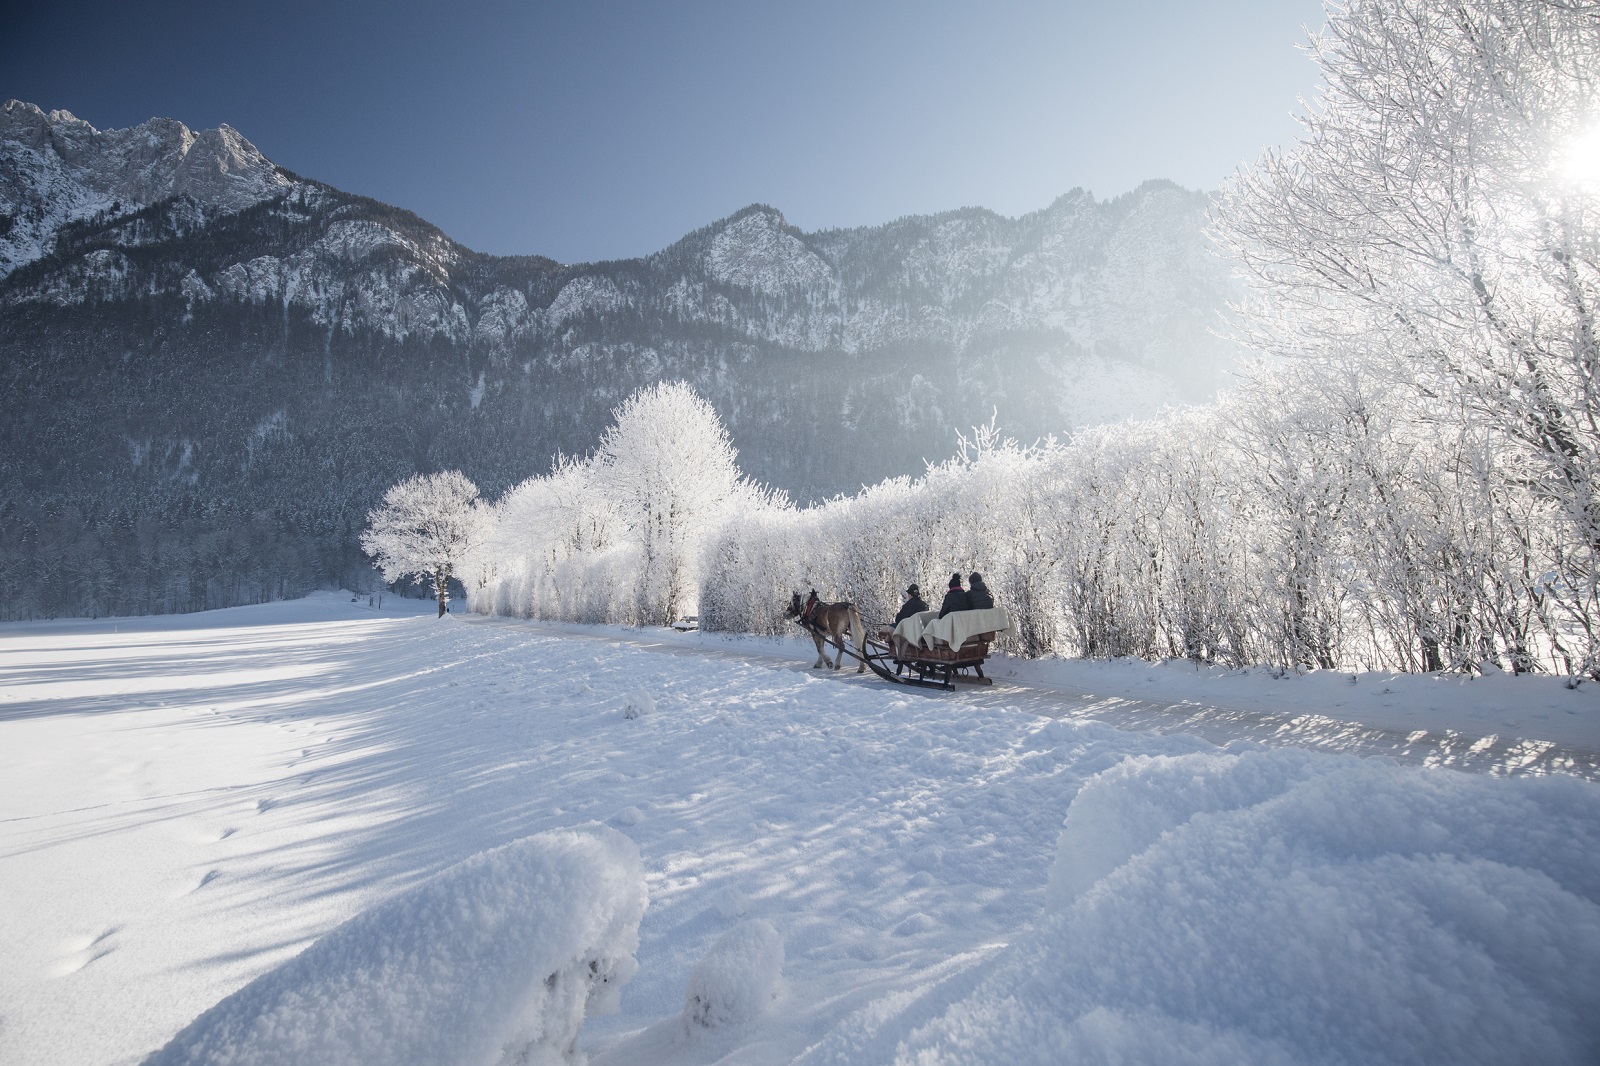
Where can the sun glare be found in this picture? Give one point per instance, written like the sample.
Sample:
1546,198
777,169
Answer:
1580,163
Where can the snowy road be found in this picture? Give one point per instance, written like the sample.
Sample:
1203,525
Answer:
187,803
1025,686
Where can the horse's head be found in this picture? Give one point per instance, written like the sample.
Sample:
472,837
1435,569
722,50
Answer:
794,606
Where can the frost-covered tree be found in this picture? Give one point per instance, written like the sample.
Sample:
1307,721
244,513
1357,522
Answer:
618,536
1443,209
426,526
669,470
541,537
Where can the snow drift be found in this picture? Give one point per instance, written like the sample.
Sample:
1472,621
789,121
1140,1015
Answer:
736,980
1284,907
497,959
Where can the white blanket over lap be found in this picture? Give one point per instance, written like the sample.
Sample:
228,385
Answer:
954,628
496,959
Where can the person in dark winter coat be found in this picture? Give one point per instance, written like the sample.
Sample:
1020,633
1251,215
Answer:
979,594
955,597
914,604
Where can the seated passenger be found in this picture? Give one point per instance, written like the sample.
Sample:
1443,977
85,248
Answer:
979,595
914,604
955,597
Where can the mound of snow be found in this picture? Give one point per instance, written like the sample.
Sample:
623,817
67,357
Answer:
637,704
1286,907
737,978
496,959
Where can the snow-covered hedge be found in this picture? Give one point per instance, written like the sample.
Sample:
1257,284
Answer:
496,959
1285,907
1305,520
1308,519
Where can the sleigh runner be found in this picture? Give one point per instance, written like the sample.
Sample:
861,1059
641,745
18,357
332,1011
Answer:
923,650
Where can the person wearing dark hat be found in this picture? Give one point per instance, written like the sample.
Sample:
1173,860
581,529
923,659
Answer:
955,597
914,604
979,593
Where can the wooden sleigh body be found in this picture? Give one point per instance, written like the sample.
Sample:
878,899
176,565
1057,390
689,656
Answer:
938,664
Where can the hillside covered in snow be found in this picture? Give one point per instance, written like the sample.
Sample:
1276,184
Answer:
213,367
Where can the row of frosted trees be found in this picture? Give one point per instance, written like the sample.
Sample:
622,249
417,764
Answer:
1312,518
1409,479
1303,522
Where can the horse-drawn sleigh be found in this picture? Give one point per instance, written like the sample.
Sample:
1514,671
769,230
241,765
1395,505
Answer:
923,650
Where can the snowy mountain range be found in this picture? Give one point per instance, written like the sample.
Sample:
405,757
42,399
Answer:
194,340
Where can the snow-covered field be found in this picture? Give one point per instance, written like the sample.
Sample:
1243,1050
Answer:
186,804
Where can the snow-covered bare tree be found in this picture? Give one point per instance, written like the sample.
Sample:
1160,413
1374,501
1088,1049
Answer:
426,526
669,469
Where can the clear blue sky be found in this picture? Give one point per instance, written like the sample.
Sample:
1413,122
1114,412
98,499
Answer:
602,129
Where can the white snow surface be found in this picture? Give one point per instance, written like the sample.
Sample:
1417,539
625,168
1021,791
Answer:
737,980
1497,723
192,804
496,959
1281,907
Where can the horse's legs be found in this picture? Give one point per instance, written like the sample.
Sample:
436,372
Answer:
822,658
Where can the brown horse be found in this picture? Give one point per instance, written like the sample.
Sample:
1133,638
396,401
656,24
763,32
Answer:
827,621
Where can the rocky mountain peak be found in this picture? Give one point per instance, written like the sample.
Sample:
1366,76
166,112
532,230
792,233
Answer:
56,169
30,125
766,213
757,250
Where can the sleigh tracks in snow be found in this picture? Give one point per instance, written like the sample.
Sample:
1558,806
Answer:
941,667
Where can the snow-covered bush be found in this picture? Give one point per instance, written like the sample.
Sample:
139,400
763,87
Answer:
637,704
496,959
1313,517
750,566
737,979
1289,907
983,509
